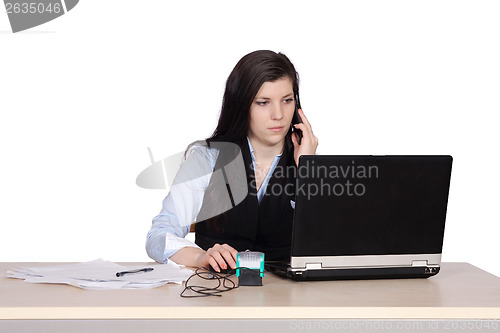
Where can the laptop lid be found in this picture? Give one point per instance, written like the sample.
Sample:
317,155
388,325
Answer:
369,211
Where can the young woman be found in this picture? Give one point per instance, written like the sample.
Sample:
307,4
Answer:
259,102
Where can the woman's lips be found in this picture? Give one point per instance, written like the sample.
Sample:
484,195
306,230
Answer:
276,129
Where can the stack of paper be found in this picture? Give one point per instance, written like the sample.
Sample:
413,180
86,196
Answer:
101,274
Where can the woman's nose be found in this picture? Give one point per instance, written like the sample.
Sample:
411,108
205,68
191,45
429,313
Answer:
277,112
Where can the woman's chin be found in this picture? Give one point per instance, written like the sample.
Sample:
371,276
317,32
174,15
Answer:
270,139
275,139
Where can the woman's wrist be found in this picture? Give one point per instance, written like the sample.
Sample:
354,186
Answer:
188,256
199,258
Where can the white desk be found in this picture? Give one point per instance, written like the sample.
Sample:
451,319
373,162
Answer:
460,291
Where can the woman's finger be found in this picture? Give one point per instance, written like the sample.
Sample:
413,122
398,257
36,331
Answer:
216,255
295,139
230,254
228,257
308,144
304,119
213,263
306,132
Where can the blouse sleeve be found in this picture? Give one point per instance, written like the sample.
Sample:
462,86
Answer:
182,204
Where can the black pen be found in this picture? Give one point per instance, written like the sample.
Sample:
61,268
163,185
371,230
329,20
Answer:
137,271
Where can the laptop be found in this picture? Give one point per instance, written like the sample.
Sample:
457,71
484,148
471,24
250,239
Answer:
368,217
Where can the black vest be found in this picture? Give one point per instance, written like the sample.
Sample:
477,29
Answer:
264,227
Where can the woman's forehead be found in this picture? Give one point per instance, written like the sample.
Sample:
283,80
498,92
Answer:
276,89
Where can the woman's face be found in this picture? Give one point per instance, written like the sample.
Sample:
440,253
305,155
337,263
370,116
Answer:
271,112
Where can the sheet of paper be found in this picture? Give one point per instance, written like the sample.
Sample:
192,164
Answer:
101,274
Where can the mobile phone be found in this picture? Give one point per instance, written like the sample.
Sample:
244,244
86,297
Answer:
296,119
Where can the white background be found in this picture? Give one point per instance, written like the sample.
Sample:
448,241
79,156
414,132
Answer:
83,96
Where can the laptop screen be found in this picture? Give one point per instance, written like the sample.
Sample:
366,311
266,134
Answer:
370,205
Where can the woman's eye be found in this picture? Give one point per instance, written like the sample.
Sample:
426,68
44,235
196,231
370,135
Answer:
261,103
289,100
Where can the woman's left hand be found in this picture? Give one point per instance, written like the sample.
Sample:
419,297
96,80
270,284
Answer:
309,141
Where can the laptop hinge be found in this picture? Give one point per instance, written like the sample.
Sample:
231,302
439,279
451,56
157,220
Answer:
313,266
419,263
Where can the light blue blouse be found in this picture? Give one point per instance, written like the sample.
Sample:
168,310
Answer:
183,203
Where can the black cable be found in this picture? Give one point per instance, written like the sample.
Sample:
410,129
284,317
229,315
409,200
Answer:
205,274
277,264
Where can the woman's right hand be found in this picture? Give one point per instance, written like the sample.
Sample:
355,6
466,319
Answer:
217,257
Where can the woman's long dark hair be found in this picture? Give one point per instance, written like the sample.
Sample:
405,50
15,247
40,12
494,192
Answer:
242,85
